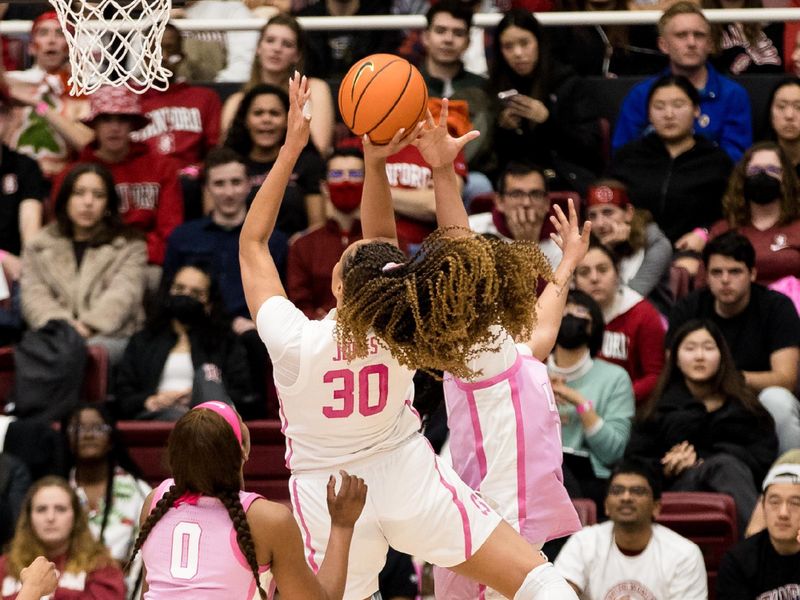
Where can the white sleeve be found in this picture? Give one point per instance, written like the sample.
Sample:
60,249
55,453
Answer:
280,326
689,580
570,562
240,45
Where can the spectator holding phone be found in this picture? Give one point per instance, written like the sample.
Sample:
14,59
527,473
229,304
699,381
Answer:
545,113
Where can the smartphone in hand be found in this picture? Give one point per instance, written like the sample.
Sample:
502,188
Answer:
506,95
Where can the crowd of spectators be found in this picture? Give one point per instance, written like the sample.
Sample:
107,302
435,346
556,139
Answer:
676,363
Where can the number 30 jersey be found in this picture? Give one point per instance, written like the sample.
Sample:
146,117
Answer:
333,411
192,552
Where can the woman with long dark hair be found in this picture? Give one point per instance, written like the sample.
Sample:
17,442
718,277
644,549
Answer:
86,268
783,118
203,536
256,133
186,342
703,427
281,49
107,482
552,119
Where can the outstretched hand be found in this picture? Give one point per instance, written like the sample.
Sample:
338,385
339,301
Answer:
299,118
569,236
400,140
346,506
435,143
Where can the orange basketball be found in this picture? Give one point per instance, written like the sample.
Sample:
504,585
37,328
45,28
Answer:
380,94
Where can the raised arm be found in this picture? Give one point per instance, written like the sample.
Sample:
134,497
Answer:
439,149
574,242
260,277
377,212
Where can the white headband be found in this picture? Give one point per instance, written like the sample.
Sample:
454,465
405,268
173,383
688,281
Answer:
787,473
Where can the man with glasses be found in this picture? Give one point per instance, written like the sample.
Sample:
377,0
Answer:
520,209
314,252
630,556
767,565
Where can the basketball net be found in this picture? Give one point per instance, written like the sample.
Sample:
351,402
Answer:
114,42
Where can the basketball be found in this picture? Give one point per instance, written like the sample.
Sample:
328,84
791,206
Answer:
380,94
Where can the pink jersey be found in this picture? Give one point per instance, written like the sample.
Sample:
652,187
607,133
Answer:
192,552
334,412
505,440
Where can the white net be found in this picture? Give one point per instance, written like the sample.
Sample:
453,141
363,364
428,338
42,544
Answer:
115,42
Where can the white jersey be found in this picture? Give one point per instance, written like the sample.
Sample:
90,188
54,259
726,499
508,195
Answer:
333,411
670,568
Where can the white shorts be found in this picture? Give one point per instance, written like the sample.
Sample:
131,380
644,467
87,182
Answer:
416,504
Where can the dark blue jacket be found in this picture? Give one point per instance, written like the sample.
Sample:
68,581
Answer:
724,114
203,241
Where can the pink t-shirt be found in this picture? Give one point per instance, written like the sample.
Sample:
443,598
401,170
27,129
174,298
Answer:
192,552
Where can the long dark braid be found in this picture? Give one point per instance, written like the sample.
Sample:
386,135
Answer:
230,500
159,510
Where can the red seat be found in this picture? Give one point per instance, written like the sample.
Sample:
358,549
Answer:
6,373
706,518
265,472
587,511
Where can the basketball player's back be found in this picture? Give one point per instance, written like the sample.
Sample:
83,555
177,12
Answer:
193,550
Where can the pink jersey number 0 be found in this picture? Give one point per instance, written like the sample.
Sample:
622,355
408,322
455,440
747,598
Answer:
345,392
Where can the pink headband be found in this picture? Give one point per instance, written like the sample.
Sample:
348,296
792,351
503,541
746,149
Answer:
227,413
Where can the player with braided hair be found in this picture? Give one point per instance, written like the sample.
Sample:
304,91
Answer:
349,404
186,522
504,425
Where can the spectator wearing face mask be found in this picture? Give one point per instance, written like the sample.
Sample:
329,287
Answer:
595,398
313,253
185,355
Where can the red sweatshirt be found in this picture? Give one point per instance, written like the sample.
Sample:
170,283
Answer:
312,256
105,583
184,122
149,191
634,340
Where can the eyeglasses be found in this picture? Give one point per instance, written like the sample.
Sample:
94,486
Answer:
97,429
768,169
640,491
339,174
520,195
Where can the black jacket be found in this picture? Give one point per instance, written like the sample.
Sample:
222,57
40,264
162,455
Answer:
682,192
731,429
569,142
139,372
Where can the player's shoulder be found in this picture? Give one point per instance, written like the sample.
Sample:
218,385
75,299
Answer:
270,515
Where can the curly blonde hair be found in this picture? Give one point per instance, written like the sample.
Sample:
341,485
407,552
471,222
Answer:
435,310
85,553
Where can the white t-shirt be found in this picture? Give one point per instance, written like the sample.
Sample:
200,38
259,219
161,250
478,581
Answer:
670,568
333,411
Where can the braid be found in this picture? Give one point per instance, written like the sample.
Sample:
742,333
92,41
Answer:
436,310
230,500
159,510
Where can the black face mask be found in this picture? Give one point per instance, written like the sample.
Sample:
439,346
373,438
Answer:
185,309
761,188
573,332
